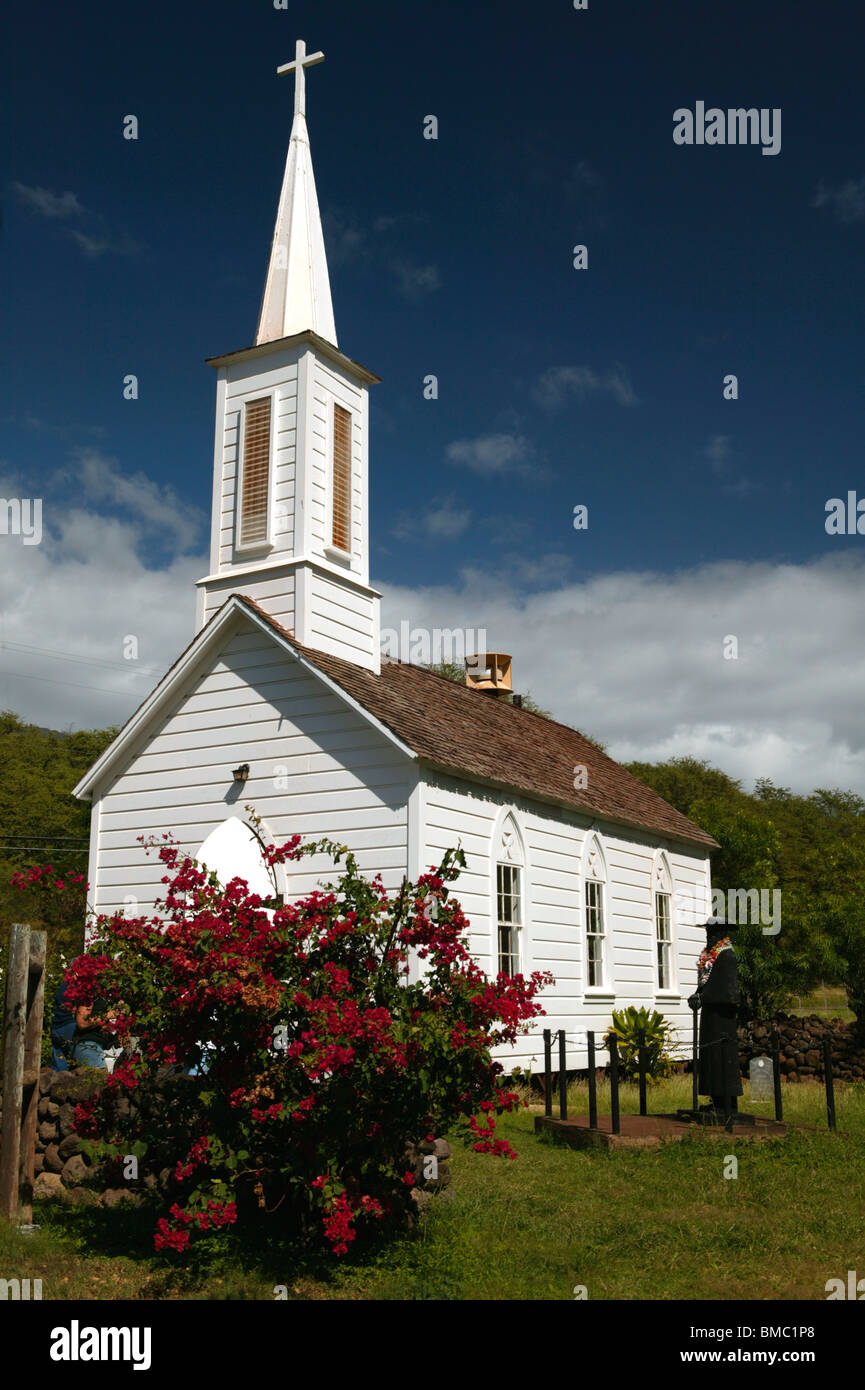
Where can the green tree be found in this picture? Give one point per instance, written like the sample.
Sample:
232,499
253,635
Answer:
811,847
41,822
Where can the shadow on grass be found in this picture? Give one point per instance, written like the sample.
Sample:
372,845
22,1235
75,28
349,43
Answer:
235,1260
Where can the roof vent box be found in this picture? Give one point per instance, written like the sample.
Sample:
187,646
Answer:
491,672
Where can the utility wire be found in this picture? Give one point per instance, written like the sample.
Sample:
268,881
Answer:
78,660
100,689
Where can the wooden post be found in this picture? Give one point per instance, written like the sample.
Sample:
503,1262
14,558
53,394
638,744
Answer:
830,1084
776,1076
14,1024
548,1072
32,1060
22,1041
563,1076
614,1083
641,1064
593,1081
730,1060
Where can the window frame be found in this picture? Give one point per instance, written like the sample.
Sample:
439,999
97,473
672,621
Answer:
513,926
606,989
242,547
664,945
330,546
664,885
599,938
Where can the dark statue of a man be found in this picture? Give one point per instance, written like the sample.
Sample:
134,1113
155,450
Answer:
717,997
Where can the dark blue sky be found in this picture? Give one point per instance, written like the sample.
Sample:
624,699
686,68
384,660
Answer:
454,257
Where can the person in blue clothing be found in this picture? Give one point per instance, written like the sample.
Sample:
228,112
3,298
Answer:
62,1031
77,1037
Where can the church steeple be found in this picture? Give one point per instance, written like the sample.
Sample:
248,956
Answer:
297,288
290,477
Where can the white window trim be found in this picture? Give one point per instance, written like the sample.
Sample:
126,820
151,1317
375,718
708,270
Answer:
252,547
335,552
524,955
517,927
673,990
607,990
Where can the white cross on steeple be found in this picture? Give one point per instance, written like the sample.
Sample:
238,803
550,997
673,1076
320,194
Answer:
297,288
302,60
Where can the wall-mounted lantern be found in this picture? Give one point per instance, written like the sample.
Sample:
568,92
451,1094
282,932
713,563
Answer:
241,773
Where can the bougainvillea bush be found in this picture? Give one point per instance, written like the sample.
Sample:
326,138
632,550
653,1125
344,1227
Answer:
305,1060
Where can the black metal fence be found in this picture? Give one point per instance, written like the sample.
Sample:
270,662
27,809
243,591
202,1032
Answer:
735,1052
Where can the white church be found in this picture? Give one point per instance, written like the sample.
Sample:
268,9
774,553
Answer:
284,702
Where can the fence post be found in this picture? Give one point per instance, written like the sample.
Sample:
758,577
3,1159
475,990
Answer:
730,1062
776,1076
830,1084
614,1083
14,1024
32,1059
563,1075
593,1081
641,1063
548,1072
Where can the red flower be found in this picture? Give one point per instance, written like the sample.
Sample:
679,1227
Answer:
209,969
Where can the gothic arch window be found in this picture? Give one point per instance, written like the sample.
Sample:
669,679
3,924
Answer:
595,900
662,904
232,850
510,872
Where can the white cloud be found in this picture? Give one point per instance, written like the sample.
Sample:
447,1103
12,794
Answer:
557,385
414,281
151,505
51,205
63,206
349,241
720,454
80,594
442,521
97,245
717,451
636,660
68,604
496,455
847,202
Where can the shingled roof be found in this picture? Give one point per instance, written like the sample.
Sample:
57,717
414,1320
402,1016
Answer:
465,732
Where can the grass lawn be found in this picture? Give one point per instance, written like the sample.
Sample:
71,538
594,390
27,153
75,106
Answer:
650,1224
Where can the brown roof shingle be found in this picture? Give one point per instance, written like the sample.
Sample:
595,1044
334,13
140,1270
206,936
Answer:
468,733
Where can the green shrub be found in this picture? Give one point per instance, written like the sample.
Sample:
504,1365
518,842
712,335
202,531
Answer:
627,1025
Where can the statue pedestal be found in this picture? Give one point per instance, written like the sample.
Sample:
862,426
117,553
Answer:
711,1116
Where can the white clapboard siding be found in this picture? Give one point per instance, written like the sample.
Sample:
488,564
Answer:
342,778
341,619
279,381
274,590
553,938
304,388
330,385
319,769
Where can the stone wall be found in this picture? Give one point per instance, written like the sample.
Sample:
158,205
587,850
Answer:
801,1047
63,1173
61,1169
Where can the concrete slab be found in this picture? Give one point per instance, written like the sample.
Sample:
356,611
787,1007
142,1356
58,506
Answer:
648,1131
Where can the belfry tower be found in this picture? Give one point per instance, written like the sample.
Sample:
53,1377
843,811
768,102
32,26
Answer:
290,521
